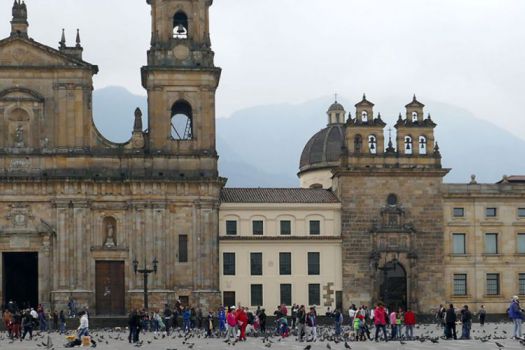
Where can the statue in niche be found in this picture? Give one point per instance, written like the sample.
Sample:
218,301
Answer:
110,236
19,136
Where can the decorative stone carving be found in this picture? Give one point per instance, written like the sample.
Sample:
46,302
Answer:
19,215
19,136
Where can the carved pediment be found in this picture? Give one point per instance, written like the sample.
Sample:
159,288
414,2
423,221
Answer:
23,52
18,94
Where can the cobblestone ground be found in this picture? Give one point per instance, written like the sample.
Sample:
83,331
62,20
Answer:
115,340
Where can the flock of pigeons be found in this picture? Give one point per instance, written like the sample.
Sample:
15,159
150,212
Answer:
108,337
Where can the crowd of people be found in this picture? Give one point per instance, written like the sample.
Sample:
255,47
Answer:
235,323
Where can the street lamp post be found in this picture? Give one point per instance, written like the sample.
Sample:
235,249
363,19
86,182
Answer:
145,271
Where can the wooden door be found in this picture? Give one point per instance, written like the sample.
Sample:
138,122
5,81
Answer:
109,288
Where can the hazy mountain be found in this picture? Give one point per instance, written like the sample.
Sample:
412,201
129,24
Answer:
261,146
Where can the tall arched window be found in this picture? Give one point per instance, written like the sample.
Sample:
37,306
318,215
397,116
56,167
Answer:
358,143
364,116
408,145
372,144
181,121
180,25
414,116
422,145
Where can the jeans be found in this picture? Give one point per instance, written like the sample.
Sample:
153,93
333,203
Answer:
409,332
394,331
517,327
465,331
337,329
62,327
378,327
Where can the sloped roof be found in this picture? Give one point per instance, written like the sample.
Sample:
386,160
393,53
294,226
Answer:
277,195
47,50
513,179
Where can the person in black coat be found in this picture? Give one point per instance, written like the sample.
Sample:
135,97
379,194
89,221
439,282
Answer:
450,321
134,325
262,321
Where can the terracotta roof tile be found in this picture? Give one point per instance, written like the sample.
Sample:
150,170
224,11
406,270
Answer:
277,195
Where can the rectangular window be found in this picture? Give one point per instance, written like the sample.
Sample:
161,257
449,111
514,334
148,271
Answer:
314,294
315,227
314,264
256,294
286,294
491,243
458,212
521,212
256,266
460,284
228,264
521,283
285,264
492,283
228,299
491,212
257,227
183,248
458,244
286,227
231,227
521,243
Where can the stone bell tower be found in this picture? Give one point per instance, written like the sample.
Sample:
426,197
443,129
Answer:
181,80
392,214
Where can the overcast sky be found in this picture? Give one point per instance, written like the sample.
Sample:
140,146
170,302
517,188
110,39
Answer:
469,53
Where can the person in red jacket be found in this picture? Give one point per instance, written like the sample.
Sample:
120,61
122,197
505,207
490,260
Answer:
410,322
242,321
380,321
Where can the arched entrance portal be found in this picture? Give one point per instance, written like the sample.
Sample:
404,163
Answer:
393,286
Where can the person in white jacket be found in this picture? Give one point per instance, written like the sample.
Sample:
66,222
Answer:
82,331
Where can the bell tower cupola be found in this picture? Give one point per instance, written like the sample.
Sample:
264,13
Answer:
180,33
181,80
336,113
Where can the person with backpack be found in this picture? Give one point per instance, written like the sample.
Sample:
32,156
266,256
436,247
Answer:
482,314
516,315
311,321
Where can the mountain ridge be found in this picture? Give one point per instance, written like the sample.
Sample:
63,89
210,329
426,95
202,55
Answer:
260,146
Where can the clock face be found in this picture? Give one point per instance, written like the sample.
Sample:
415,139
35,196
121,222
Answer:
181,52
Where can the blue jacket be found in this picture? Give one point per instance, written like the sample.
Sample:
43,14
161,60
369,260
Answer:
222,316
515,311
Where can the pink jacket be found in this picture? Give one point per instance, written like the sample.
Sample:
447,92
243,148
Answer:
231,319
393,318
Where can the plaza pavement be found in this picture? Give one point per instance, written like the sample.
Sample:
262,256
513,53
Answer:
112,340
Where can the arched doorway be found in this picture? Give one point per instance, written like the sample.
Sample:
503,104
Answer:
393,286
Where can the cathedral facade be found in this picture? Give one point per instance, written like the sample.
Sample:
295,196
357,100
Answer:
83,209
372,220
